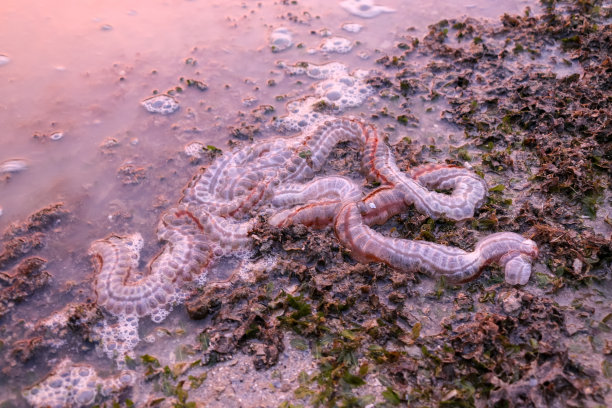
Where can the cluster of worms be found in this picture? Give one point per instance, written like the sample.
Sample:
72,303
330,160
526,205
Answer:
216,213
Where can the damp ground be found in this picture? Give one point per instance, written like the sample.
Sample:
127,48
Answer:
522,98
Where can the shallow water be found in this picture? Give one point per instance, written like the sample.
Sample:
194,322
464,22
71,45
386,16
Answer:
77,72
82,68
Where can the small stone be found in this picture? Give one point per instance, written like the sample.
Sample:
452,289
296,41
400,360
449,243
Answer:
109,143
577,266
511,302
325,32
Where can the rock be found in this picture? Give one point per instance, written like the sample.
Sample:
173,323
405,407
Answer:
511,302
131,174
20,283
577,266
199,307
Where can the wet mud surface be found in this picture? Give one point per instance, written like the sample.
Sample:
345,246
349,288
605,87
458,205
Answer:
303,324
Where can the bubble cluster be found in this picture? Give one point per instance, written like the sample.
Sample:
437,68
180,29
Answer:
314,71
338,45
337,91
301,116
194,149
345,91
352,27
75,385
162,104
364,8
280,39
118,339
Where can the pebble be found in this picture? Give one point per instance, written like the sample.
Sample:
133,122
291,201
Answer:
4,59
364,8
511,303
162,104
325,32
577,266
280,39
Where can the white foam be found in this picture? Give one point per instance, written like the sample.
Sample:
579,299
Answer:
352,27
118,339
194,149
337,91
162,104
159,315
280,39
74,385
338,45
364,8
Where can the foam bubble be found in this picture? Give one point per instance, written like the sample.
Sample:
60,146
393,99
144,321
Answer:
337,91
159,315
280,39
4,59
75,385
162,104
117,340
338,45
301,116
352,27
364,8
194,149
56,136
314,71
343,92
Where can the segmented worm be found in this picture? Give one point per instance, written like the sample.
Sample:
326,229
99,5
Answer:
215,215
